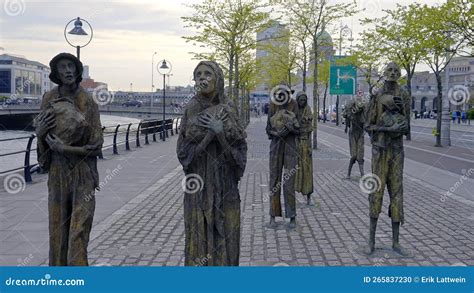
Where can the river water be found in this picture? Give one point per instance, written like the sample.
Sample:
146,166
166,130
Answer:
17,160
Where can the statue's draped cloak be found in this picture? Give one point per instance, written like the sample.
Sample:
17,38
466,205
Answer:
72,179
212,210
355,116
387,155
283,159
304,174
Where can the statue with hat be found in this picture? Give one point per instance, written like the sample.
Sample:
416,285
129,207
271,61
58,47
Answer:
69,136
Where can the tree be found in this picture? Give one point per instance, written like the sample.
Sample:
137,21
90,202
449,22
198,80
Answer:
248,81
314,16
461,16
323,78
441,43
226,29
399,36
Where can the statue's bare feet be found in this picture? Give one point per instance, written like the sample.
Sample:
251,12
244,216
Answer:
400,250
292,223
369,249
272,223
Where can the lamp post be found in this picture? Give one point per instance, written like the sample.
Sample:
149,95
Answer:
78,31
152,80
444,137
164,68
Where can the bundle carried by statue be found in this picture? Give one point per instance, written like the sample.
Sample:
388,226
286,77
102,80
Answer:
70,122
284,119
392,114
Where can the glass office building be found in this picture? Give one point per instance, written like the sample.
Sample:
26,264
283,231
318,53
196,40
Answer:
21,78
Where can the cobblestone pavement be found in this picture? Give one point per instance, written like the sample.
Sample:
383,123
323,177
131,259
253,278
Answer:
149,229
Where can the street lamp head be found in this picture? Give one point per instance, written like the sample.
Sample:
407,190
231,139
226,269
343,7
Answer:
164,65
78,30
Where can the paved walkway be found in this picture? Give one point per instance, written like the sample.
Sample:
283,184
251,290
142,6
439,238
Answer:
124,177
145,225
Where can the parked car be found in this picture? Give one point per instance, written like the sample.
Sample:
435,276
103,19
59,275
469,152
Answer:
132,103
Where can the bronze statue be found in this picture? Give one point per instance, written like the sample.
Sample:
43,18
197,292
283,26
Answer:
304,174
282,128
69,139
212,149
387,123
354,114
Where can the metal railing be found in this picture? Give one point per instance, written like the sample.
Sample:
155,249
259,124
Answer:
27,167
143,128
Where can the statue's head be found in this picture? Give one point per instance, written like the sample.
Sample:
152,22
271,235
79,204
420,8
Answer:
66,69
209,80
302,99
392,72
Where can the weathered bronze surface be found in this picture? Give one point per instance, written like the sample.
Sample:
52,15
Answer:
387,123
355,116
282,128
69,139
212,149
304,174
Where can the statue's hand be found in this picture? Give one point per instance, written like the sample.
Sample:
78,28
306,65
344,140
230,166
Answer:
211,123
55,143
44,123
400,127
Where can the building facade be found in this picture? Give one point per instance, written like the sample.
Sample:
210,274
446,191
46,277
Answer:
176,95
21,78
424,87
271,37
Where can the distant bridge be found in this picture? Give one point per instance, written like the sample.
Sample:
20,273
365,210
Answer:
20,117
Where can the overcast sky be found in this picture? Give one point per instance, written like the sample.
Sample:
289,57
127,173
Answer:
126,33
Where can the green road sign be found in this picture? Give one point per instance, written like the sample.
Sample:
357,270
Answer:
342,79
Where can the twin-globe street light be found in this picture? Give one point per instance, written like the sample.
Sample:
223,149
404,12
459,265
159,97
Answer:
77,35
164,68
